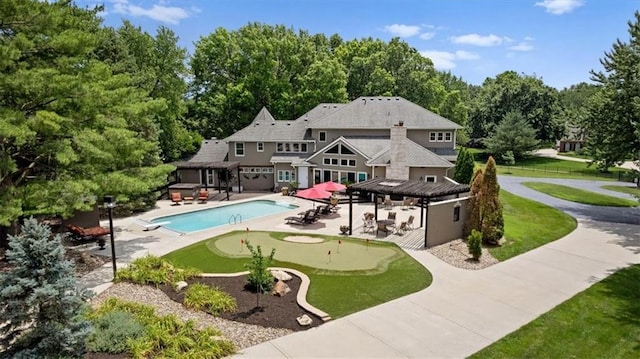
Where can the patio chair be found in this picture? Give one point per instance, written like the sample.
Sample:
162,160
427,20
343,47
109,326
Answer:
406,203
83,234
382,227
379,202
203,196
392,216
388,203
176,198
316,214
301,219
410,222
368,225
402,228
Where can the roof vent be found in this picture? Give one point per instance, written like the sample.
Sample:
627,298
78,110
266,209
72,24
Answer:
273,124
288,124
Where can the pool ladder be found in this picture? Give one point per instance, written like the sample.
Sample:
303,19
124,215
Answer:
235,218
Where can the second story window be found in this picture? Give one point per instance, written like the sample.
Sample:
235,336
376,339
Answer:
260,146
240,149
322,136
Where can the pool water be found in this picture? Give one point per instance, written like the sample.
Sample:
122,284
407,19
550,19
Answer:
220,216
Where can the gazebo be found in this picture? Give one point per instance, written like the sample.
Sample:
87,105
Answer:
218,167
427,192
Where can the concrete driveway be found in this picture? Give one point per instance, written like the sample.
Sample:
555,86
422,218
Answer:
464,311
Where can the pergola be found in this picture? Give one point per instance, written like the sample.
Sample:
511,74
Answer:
217,166
425,191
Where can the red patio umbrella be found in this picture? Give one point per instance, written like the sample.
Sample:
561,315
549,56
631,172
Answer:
330,186
313,193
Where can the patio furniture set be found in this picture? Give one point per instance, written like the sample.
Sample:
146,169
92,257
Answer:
388,225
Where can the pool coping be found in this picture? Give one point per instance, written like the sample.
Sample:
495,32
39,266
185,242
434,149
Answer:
301,296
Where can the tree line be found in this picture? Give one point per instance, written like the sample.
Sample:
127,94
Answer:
87,109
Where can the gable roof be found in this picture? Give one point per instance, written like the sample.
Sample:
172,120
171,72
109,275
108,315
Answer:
378,112
264,128
417,156
212,150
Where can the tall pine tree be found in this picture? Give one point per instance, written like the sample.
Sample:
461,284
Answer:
42,306
474,207
492,224
464,167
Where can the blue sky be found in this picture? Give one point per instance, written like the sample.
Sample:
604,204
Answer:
558,40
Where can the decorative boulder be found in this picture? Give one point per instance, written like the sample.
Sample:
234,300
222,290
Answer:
304,320
280,289
281,275
181,285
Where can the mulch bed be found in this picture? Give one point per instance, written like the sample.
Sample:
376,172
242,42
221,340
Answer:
274,311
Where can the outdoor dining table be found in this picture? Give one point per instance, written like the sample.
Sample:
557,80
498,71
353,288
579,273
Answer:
388,222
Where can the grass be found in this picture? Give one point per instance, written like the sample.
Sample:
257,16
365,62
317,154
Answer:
338,293
529,224
601,322
579,196
634,191
545,167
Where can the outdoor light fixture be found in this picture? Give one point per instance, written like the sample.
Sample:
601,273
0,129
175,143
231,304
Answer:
110,204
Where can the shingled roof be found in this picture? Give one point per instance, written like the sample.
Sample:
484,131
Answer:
213,150
417,156
382,112
409,188
265,128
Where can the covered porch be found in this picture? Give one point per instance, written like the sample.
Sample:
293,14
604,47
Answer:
208,175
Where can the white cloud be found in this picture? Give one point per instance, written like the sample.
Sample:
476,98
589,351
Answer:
466,55
529,38
427,35
402,30
559,7
523,46
167,14
444,60
478,40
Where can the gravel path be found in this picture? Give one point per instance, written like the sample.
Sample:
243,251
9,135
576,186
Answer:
240,334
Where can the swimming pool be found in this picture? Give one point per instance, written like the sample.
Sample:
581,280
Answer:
220,216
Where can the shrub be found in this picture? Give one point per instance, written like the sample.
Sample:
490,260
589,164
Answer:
168,336
259,277
212,300
474,244
112,332
154,270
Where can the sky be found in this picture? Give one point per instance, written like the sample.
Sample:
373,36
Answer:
559,41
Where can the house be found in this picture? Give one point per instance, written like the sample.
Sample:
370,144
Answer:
385,137
574,141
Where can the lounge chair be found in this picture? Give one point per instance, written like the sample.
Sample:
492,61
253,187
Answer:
382,227
410,222
203,196
316,214
176,198
83,234
326,209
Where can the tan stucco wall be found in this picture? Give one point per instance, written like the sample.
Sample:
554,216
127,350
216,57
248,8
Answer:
441,227
415,173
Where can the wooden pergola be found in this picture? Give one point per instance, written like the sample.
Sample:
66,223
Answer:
216,166
425,191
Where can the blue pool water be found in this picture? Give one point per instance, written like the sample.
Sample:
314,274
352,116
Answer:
220,216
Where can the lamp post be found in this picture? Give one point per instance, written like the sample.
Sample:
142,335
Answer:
110,204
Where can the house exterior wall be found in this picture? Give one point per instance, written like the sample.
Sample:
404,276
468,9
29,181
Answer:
333,134
378,172
190,175
253,181
416,173
441,227
278,183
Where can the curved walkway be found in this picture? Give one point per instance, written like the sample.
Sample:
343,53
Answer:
464,311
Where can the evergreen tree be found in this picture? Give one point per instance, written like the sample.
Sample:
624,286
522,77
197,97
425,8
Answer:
474,207
513,134
464,167
41,305
492,223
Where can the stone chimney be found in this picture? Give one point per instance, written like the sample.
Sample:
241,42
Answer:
398,168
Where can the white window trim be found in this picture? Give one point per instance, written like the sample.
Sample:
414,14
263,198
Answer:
260,146
435,179
447,135
366,176
432,136
236,149
320,136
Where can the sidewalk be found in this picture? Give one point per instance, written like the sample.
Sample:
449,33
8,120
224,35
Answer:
464,311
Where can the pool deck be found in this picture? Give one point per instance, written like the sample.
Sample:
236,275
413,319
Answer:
133,241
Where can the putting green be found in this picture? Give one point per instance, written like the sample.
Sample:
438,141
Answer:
349,255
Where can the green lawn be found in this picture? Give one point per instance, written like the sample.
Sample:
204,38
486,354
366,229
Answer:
579,196
632,190
601,322
336,292
529,224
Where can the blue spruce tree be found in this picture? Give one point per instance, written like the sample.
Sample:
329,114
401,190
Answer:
41,307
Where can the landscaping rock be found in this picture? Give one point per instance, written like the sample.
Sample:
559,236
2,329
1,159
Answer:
181,285
281,275
280,289
304,320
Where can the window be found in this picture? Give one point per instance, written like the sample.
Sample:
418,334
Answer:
440,136
240,149
347,162
286,176
334,149
362,176
456,213
260,146
447,136
432,137
303,147
322,136
295,147
345,151
267,169
430,179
